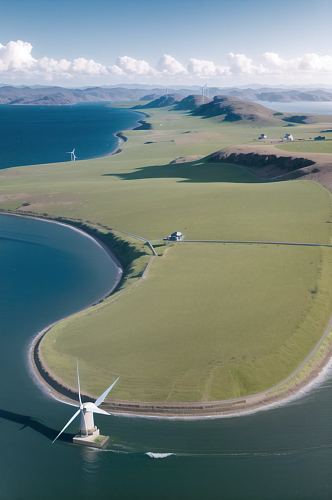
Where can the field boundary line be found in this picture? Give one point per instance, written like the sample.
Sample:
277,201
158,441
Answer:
260,242
138,237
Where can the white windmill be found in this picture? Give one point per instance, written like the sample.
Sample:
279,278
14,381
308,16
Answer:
72,155
203,92
88,431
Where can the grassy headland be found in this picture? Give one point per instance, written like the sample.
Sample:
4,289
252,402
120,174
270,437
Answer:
211,321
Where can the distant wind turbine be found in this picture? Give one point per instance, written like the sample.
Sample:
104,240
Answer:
86,411
203,92
72,155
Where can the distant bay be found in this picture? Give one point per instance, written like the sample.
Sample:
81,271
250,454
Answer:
300,107
43,134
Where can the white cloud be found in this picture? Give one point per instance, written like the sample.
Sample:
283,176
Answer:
315,63
16,61
309,63
16,55
242,65
168,65
277,65
127,66
205,69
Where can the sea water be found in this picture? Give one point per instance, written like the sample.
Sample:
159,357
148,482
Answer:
46,134
49,271
300,108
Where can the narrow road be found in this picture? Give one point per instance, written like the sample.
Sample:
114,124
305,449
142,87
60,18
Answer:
258,242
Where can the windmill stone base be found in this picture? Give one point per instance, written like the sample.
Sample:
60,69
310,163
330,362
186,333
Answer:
93,439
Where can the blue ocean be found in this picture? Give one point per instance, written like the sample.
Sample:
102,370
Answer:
32,135
48,271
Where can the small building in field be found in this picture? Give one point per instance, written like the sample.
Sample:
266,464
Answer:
176,236
262,136
288,137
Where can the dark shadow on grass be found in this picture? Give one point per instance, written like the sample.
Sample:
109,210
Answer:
196,171
26,421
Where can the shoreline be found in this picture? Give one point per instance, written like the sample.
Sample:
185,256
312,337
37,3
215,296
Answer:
59,390
214,409
119,135
121,138
36,370
178,411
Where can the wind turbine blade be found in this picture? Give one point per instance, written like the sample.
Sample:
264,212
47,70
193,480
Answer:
78,380
94,409
103,396
65,427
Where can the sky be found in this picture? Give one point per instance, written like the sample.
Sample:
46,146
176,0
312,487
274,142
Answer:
184,42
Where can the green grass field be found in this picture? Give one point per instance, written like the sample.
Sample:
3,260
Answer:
307,146
139,191
211,321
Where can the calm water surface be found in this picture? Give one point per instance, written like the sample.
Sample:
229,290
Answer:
314,108
43,134
49,271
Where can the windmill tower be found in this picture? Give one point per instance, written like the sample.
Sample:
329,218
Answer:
88,432
203,92
72,155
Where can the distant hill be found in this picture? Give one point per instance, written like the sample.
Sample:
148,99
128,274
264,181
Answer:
277,95
234,109
160,102
192,102
61,96
44,95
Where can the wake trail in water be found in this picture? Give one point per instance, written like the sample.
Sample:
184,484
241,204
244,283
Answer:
159,455
244,454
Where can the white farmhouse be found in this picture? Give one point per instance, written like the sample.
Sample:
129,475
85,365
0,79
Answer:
177,236
288,137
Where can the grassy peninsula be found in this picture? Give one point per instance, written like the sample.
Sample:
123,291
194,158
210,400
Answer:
211,321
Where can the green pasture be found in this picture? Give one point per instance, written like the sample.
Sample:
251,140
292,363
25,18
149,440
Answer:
212,321
307,146
140,192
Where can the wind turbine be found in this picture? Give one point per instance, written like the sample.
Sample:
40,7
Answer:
72,155
203,92
86,411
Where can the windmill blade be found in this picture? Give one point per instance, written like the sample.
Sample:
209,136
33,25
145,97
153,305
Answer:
94,409
78,380
103,396
65,427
